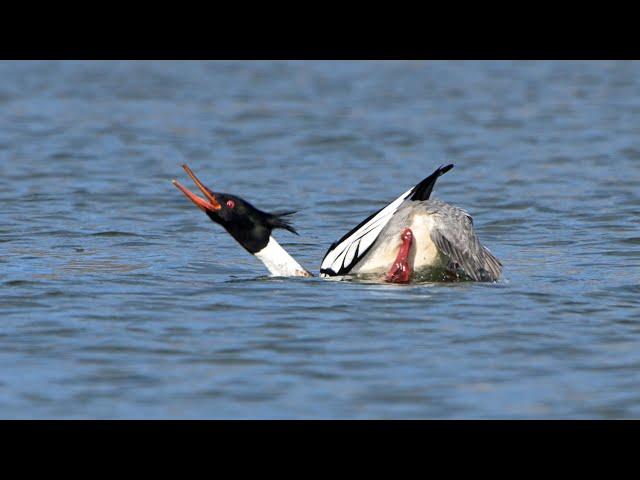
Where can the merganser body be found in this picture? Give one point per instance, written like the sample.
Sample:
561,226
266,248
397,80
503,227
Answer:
410,237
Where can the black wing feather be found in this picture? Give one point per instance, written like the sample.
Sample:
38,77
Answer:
422,191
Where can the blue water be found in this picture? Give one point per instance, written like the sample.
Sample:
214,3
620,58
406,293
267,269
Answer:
119,299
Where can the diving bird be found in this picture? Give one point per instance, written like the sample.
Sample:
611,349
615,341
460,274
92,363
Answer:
409,236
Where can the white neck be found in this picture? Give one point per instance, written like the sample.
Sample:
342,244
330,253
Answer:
279,262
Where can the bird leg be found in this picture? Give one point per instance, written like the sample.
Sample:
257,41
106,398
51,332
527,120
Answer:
401,270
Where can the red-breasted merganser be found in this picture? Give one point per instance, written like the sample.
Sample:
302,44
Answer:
408,237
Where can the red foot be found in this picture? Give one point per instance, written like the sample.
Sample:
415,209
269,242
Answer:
401,271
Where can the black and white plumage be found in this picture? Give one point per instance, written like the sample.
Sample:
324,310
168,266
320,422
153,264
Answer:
249,226
345,254
444,239
442,236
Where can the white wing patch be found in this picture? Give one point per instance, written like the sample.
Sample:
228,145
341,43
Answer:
344,254
350,253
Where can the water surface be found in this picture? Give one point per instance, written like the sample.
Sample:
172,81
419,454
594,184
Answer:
119,299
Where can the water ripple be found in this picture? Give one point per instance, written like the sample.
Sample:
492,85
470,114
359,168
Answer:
119,299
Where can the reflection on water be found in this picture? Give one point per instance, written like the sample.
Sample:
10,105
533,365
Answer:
119,299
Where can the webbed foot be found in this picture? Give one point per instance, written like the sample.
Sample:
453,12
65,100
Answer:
400,271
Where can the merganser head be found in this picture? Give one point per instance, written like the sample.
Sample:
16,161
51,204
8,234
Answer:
250,226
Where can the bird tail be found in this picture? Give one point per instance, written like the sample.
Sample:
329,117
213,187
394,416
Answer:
422,191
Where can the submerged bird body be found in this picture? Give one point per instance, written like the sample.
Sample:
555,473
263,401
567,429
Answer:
422,254
409,237
443,236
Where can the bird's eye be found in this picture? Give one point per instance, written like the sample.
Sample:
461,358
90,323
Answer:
231,203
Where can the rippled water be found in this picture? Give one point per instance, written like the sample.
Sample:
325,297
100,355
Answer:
119,299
